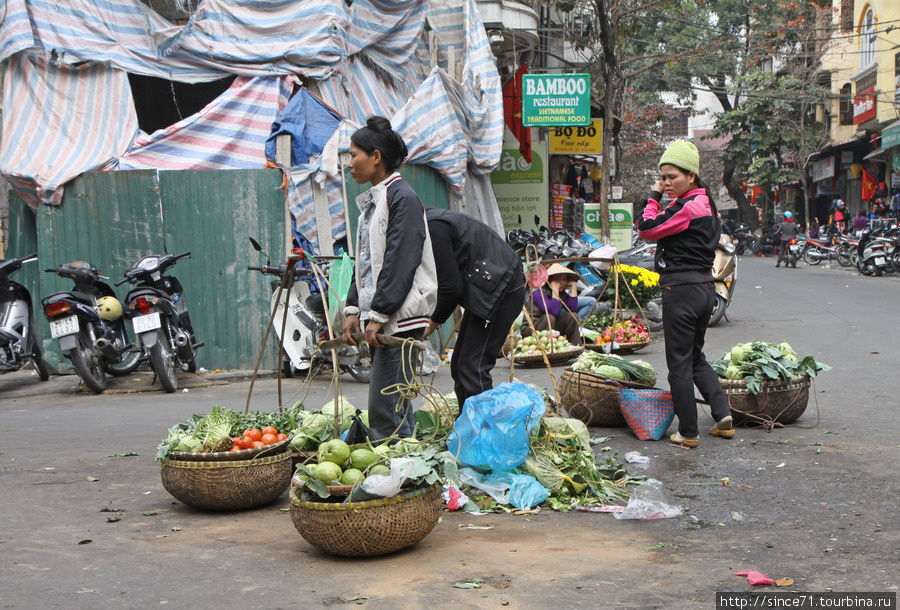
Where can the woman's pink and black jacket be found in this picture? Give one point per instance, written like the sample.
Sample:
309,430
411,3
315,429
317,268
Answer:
687,231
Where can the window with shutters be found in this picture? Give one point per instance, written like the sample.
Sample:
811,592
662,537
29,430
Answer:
867,41
846,105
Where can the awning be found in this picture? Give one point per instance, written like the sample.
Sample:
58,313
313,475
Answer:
835,146
876,154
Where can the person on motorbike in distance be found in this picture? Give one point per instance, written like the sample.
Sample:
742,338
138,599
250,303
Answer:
788,231
394,288
687,231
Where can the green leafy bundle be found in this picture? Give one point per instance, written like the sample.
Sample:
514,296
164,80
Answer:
615,367
757,362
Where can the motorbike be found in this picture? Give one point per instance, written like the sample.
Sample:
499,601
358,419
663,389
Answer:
18,343
875,251
724,273
89,323
160,317
305,326
744,240
817,250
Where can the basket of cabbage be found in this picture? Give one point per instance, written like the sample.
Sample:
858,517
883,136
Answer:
766,382
589,390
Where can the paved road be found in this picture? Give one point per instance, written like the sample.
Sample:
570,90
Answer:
826,518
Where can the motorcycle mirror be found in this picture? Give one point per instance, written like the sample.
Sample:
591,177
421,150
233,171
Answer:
537,220
255,244
520,221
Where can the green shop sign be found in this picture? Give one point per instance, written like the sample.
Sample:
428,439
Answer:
556,100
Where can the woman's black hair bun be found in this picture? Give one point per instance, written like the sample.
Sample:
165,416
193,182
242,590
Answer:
378,123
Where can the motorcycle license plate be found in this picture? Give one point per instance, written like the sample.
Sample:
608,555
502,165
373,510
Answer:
879,260
146,323
63,327
794,248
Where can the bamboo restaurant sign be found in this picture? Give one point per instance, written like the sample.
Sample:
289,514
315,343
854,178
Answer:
556,100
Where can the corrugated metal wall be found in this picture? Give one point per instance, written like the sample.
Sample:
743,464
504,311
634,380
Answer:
111,219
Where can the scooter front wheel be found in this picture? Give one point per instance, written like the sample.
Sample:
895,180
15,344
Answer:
361,369
718,311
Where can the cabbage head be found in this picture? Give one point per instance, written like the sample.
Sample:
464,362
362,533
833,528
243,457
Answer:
347,411
613,372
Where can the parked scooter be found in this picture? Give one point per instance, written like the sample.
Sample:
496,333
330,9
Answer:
160,317
874,253
18,343
745,242
305,327
817,250
89,323
725,277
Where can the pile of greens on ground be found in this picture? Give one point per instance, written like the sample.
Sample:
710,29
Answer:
562,460
215,431
615,367
757,362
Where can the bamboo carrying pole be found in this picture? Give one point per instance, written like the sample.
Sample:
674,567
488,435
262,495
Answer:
360,337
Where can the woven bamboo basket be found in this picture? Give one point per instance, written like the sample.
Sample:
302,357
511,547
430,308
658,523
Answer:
229,456
623,348
228,485
371,528
555,358
593,399
781,401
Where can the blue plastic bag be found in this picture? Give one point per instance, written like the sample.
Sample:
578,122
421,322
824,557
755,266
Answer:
492,431
519,490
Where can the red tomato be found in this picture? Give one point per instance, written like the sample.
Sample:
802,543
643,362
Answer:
268,439
258,444
253,435
235,448
269,430
244,442
282,436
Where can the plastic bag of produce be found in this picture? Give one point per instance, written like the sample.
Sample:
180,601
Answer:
492,431
340,276
526,492
519,490
649,501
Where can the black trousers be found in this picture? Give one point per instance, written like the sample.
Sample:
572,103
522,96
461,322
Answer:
686,311
478,344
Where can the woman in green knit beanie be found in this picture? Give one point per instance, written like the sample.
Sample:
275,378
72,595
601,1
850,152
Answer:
686,230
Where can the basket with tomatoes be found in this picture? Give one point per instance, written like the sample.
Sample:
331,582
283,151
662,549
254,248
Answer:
227,460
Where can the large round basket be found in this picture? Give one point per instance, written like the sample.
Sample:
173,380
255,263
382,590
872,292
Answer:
622,348
227,485
781,401
593,399
228,456
371,528
554,358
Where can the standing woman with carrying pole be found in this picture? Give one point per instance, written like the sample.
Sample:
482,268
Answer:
687,231
394,288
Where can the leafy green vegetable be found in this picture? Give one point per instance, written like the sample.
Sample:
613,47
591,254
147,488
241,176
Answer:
634,370
757,362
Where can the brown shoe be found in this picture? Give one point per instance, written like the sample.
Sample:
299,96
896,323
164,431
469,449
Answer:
693,443
723,428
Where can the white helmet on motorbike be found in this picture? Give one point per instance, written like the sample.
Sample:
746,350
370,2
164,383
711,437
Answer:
109,308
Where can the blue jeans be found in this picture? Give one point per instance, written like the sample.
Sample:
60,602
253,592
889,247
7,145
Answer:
391,414
584,307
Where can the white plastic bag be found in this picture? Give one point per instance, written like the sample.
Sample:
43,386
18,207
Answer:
388,485
498,490
635,457
607,251
649,501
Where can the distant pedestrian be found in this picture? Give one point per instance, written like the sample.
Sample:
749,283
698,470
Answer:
860,222
687,231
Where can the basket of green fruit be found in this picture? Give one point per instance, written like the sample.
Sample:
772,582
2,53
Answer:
550,343
333,510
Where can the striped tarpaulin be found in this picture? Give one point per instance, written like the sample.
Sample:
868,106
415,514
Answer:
229,133
60,121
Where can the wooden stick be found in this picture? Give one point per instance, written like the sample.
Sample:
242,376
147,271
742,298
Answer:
387,340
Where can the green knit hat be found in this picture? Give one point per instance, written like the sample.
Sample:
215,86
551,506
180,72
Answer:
683,154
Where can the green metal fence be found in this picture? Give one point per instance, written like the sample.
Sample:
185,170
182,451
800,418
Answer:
111,219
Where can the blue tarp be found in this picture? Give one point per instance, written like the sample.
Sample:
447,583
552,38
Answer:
309,122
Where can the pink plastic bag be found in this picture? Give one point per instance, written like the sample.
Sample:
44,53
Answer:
756,578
